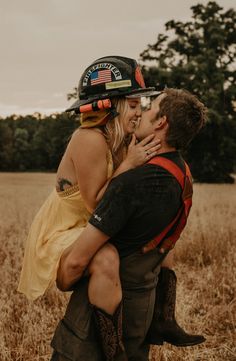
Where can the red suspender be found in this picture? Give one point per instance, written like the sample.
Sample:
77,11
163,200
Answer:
180,220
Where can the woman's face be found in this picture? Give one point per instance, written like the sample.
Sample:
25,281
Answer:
132,115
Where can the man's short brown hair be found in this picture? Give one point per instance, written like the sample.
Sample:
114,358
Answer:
185,115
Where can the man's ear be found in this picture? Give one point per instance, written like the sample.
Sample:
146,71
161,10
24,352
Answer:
161,123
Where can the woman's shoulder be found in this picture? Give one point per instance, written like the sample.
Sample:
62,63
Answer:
85,133
86,138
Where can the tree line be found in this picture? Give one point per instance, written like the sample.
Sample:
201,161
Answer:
34,142
198,55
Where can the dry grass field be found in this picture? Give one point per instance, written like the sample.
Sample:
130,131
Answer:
206,270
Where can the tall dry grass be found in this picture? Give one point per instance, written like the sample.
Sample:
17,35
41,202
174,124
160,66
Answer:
206,270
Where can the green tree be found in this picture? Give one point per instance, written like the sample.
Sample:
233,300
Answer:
21,153
34,142
199,55
6,146
50,140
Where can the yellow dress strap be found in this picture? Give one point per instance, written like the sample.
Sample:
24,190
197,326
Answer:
69,191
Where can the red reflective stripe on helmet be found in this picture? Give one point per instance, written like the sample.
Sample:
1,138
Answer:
139,77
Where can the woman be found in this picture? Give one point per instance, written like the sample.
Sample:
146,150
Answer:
96,152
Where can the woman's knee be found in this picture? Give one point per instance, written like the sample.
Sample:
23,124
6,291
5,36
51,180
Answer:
106,260
69,267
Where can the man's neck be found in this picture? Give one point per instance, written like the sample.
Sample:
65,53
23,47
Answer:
165,148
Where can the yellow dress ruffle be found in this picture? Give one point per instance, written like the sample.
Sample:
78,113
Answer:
56,226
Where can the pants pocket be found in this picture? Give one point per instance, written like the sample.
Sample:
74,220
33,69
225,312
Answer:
68,346
78,316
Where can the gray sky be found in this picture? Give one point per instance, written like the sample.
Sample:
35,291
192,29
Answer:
46,44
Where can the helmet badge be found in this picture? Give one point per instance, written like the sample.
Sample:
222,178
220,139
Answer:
101,73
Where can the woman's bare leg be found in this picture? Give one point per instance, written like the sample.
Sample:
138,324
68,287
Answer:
76,258
104,288
105,294
101,260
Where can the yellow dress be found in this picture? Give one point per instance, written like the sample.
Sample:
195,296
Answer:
56,226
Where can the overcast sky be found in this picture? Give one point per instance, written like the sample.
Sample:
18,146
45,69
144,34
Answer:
46,44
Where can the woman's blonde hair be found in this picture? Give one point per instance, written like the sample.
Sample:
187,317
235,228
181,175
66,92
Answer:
111,127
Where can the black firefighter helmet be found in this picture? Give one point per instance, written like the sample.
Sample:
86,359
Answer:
109,77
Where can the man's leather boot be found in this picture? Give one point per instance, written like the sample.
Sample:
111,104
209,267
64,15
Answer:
109,328
164,327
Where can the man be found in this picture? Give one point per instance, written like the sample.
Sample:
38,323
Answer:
136,207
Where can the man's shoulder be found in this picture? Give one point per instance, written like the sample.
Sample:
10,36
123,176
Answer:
131,175
131,180
173,156
142,173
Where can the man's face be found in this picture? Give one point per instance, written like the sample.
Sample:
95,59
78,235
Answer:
147,123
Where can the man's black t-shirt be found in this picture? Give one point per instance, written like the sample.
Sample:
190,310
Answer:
138,205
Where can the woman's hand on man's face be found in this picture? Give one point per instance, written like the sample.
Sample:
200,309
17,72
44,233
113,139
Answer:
141,152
